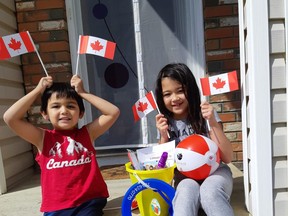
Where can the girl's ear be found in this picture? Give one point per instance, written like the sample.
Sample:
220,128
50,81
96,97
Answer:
81,115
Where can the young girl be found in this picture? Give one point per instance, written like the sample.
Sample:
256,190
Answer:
183,114
71,181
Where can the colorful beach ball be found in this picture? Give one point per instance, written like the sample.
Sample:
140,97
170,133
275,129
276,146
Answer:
197,157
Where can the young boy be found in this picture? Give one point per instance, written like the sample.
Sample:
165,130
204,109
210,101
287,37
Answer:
71,181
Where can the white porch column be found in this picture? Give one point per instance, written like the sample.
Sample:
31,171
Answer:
256,106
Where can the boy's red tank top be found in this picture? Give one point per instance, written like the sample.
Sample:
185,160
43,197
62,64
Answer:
70,174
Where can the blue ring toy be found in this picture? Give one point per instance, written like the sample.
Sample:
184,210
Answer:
164,189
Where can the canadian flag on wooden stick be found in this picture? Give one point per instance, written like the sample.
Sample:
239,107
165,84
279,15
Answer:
144,106
96,46
16,44
219,83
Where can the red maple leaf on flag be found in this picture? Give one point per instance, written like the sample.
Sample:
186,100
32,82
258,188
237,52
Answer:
15,45
219,83
142,106
96,46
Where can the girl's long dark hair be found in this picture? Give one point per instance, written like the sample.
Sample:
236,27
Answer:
182,74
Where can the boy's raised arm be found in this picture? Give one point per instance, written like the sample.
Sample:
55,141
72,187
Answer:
109,112
14,116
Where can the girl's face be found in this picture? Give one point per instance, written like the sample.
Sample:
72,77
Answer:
174,98
63,113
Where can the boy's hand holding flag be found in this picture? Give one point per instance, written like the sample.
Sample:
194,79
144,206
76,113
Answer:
218,84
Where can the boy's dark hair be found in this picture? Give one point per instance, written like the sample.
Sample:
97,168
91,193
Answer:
63,90
182,74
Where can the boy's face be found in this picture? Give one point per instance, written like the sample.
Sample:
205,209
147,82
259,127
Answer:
174,98
63,112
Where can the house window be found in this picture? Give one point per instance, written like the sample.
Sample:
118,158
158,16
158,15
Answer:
149,34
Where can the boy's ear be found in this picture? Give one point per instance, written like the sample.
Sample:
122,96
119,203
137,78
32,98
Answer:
45,116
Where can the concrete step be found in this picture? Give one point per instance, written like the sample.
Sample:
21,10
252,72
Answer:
25,199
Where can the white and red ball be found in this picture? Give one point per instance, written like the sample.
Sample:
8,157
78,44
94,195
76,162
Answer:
197,157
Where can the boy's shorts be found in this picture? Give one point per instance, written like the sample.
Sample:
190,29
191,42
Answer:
91,208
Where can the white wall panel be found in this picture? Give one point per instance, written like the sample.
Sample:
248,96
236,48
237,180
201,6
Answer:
279,107
280,173
276,9
13,166
13,147
278,72
281,204
16,157
277,39
279,141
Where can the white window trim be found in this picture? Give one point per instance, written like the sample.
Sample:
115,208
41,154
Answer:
75,28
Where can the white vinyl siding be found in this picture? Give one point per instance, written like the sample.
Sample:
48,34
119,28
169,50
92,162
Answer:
16,157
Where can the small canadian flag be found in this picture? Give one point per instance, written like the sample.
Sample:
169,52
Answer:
96,46
219,83
16,44
144,106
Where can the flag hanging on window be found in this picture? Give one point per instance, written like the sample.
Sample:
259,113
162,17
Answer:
96,46
218,84
16,44
144,106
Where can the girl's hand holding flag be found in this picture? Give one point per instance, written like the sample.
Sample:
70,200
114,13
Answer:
162,126
207,111
146,105
218,84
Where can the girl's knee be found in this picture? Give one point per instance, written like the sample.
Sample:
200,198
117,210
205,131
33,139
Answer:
209,195
187,187
188,184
